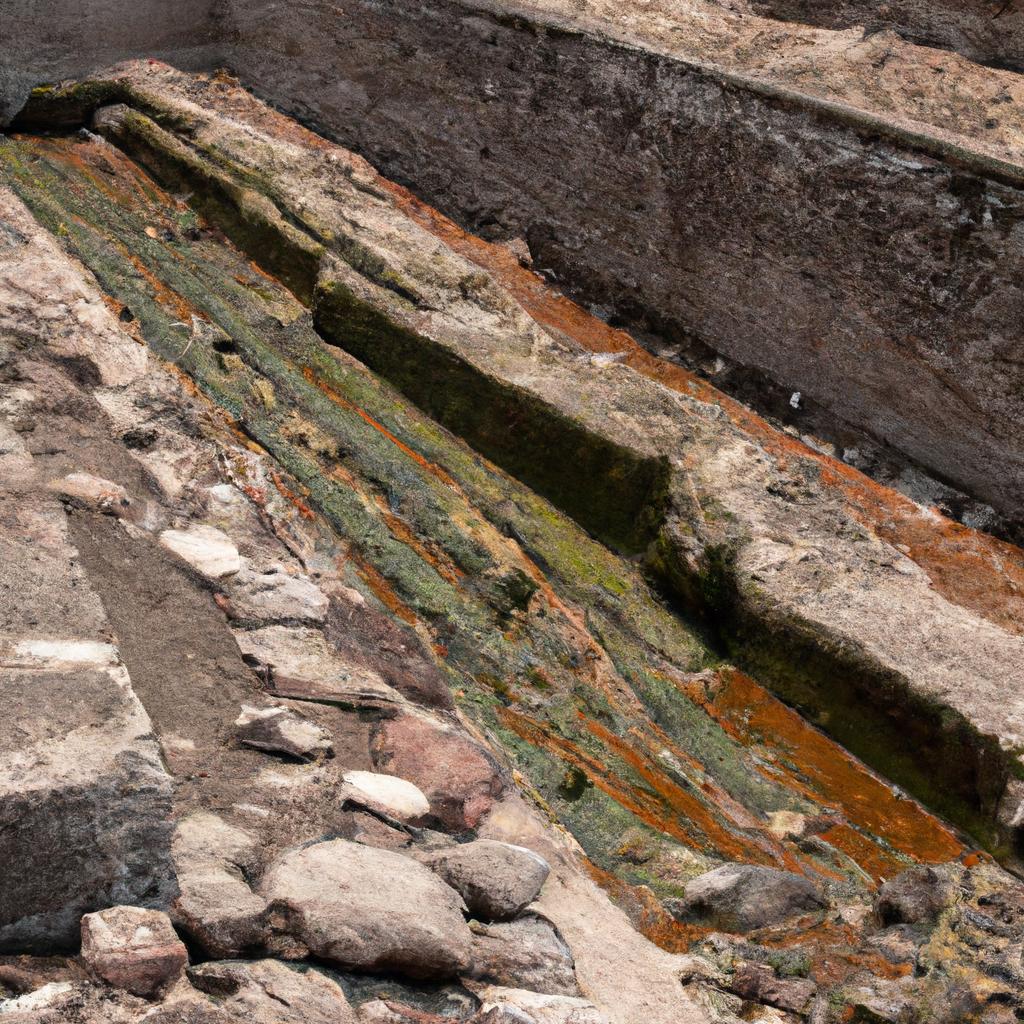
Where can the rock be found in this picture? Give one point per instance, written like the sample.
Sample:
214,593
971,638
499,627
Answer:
743,897
510,1006
208,550
269,992
459,778
84,798
528,953
215,904
369,910
280,730
758,983
386,794
497,880
915,896
92,492
276,596
133,949
302,665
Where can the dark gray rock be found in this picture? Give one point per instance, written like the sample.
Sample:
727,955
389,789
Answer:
916,896
528,953
743,897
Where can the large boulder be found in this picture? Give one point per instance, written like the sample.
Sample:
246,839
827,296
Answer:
369,910
743,897
497,880
460,779
269,992
133,949
915,896
527,954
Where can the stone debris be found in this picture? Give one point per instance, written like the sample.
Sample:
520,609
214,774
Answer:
369,910
744,897
388,794
276,596
208,550
498,881
133,949
513,1005
279,730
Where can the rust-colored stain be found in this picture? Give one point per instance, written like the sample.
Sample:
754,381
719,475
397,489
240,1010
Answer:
831,775
429,551
383,591
291,497
967,567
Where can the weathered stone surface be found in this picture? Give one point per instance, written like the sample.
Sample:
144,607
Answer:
133,949
458,777
388,794
92,492
528,953
216,906
276,596
759,983
916,896
208,550
497,880
302,665
371,910
512,1004
268,992
742,897
280,730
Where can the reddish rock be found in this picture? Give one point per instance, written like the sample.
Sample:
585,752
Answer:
459,778
134,949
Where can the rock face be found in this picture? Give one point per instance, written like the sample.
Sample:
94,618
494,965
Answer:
498,881
133,949
371,910
743,897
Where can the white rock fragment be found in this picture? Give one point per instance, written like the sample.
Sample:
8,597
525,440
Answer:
387,794
209,551
276,596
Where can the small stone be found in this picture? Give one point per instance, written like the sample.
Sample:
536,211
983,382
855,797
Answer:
386,794
497,880
276,596
280,730
915,896
133,949
208,550
369,910
92,492
743,897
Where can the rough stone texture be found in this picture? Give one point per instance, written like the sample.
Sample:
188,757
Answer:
701,203
758,983
92,492
543,1009
528,953
208,550
458,777
742,897
280,730
915,896
497,880
371,910
268,992
276,596
986,32
133,949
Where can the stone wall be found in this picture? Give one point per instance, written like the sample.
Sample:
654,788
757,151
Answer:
843,259
49,40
